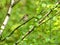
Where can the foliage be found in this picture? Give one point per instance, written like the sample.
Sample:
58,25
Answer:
46,34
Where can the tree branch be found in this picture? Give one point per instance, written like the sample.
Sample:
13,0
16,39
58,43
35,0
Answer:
24,36
30,30
17,28
39,22
50,18
48,13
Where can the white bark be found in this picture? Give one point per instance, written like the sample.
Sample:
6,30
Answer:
6,18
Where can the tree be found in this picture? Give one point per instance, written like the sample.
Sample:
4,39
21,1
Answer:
42,21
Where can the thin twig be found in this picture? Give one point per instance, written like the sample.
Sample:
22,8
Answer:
50,18
15,3
39,22
48,13
17,28
30,30
34,27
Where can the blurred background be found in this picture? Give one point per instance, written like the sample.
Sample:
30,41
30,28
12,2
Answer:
46,34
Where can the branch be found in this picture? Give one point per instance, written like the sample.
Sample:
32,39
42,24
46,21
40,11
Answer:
17,28
50,18
30,30
24,36
13,3
40,22
48,13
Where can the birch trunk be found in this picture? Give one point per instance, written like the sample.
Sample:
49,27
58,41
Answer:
7,17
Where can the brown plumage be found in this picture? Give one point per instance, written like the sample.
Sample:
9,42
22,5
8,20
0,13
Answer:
24,18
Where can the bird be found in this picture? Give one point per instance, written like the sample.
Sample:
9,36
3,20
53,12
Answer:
24,18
